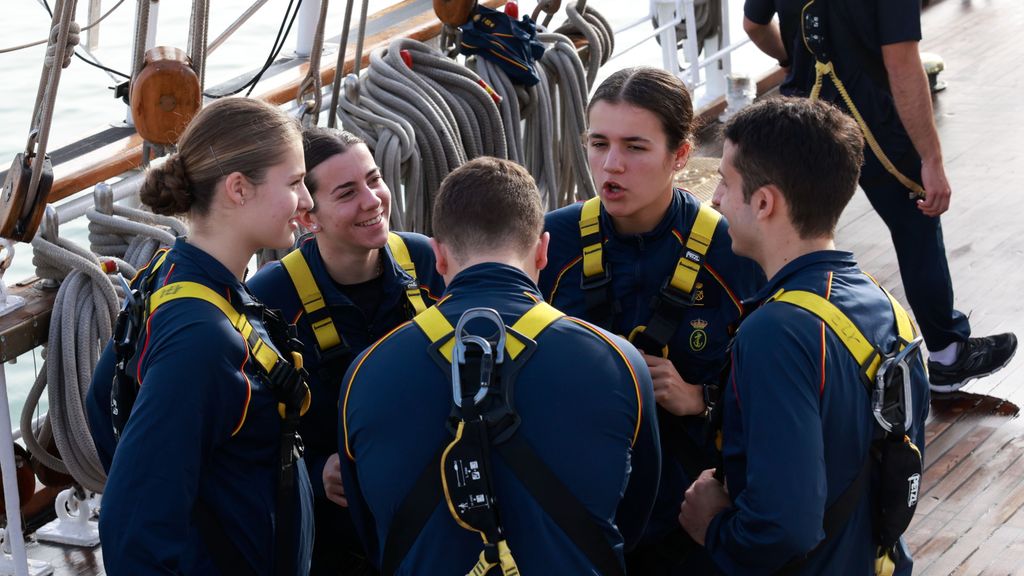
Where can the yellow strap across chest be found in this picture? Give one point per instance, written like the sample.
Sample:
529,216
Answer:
264,354
859,346
684,275
400,252
312,300
533,322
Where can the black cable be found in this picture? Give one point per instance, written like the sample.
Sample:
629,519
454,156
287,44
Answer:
282,34
83,58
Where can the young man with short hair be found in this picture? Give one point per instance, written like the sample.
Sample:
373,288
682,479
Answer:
797,417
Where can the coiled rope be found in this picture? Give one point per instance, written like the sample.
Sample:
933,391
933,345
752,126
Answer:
552,115
81,324
437,107
585,21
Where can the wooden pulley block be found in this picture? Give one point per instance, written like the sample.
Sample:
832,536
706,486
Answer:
165,95
26,480
454,13
20,211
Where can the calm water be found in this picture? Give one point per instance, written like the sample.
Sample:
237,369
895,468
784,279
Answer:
85,101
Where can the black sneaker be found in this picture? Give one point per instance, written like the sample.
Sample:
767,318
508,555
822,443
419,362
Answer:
978,357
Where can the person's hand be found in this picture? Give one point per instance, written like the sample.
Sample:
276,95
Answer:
936,189
673,393
332,481
705,498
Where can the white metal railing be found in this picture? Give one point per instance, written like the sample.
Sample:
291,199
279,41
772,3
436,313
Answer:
710,71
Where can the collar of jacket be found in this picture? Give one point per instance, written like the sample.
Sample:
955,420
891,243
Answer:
664,226
190,259
492,278
824,259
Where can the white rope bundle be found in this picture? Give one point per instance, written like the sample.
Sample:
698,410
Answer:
130,234
74,34
81,324
596,29
437,107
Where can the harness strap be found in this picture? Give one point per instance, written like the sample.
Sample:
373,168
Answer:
533,322
312,299
560,504
545,487
400,252
685,275
869,359
590,234
863,351
824,67
314,306
596,278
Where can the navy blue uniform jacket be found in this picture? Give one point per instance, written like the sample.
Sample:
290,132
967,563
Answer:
639,266
204,428
273,286
586,404
798,424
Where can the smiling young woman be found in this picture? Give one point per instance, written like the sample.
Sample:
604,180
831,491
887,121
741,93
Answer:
370,280
647,261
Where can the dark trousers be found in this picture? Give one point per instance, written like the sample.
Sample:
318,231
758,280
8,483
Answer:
336,547
920,251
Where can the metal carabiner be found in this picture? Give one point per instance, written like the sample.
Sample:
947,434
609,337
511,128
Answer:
490,357
884,378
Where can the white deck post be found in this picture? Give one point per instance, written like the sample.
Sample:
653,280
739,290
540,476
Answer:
17,564
309,13
667,11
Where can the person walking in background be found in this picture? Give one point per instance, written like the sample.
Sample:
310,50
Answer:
872,47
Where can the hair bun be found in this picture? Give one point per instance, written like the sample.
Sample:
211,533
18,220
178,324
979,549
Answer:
166,189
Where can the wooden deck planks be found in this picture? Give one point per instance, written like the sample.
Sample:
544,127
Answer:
971,516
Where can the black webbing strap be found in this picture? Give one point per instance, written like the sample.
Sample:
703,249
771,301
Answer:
225,554
412,515
560,504
836,517
680,445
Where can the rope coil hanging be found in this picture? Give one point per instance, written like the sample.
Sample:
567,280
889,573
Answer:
81,324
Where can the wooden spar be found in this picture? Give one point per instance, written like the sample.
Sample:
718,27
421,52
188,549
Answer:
382,27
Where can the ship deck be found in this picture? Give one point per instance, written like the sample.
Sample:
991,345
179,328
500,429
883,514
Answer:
970,518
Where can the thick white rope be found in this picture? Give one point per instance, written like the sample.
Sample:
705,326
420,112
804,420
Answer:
81,324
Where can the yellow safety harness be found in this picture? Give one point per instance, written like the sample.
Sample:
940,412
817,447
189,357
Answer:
314,306
872,361
265,355
814,32
483,420
670,307
285,376
677,293
437,328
